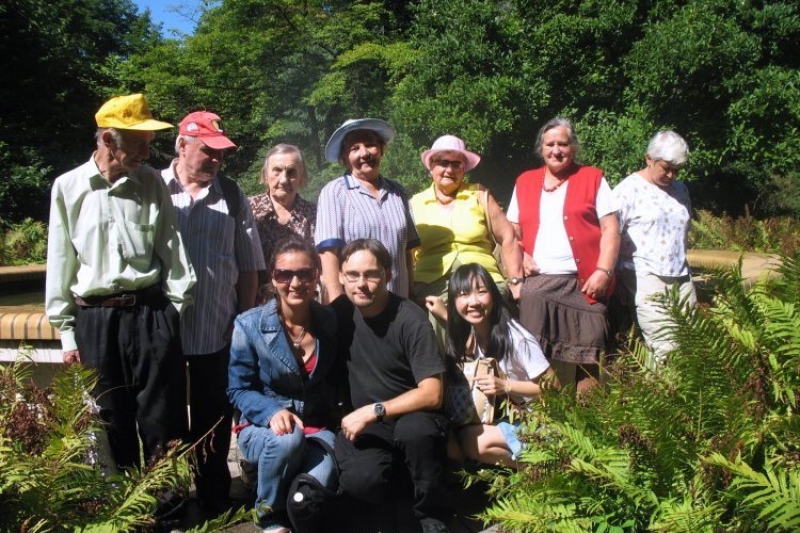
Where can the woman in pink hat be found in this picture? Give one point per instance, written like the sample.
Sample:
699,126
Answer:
459,223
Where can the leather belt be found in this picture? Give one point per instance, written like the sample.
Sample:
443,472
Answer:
125,299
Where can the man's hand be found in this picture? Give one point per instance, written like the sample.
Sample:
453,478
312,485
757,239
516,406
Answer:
282,422
71,357
354,423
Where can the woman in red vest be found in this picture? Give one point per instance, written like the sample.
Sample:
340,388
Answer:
567,223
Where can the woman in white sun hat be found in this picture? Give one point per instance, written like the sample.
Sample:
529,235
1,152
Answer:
362,204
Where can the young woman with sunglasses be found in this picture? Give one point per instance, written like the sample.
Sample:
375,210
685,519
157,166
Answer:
479,324
282,356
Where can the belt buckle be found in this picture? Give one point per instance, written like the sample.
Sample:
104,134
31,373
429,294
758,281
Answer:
128,300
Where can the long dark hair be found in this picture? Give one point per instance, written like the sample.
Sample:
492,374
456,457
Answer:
458,329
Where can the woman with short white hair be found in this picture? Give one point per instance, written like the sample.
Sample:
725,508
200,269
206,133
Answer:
654,218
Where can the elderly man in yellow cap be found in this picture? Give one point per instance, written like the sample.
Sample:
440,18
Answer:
117,278
217,227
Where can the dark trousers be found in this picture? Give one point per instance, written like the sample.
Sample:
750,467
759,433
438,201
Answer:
141,380
210,415
414,444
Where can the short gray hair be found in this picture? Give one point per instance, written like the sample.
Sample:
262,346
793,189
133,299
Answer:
556,123
187,139
282,148
670,147
116,135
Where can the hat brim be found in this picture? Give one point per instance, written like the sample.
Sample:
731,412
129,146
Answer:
334,146
217,142
471,159
147,125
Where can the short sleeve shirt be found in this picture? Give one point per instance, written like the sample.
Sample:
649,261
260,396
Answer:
527,361
655,224
552,251
387,355
347,211
220,246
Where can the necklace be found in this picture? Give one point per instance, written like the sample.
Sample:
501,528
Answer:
300,336
553,189
447,199
296,341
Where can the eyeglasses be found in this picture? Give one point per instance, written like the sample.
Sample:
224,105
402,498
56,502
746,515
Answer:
371,277
454,164
305,275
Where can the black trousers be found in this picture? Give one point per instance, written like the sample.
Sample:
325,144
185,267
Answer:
414,444
211,416
141,388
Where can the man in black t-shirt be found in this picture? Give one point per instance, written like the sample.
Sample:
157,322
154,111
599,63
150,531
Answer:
395,377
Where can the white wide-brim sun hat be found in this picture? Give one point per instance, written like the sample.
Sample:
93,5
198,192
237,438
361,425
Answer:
334,147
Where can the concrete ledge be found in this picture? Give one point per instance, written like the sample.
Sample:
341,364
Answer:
38,351
12,274
754,265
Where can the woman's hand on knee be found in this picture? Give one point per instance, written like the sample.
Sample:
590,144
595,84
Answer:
283,422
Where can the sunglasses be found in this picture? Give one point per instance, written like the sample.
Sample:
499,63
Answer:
305,275
455,165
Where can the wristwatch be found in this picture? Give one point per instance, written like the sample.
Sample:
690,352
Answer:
380,411
515,280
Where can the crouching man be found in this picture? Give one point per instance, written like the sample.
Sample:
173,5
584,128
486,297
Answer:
395,377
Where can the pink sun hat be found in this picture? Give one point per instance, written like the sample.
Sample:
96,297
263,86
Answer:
450,143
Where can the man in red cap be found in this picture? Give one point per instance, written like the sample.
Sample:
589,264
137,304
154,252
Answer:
219,233
117,278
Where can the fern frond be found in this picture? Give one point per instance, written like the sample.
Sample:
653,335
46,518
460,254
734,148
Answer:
773,496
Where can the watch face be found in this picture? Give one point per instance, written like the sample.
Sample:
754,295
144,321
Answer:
379,409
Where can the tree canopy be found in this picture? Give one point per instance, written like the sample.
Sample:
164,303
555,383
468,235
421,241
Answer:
723,74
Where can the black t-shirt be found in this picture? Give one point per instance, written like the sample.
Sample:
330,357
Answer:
389,354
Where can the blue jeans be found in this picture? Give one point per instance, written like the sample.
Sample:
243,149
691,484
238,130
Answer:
282,458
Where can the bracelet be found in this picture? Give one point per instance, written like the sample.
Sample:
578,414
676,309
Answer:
607,271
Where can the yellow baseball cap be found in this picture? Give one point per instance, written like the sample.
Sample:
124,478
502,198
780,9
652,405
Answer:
129,112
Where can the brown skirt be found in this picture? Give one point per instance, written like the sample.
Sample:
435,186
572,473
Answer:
567,327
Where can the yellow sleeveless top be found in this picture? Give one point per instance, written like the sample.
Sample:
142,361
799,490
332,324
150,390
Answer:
456,231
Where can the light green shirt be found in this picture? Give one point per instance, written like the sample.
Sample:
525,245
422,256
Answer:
107,238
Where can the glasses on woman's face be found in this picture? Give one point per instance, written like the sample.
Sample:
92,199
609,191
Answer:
305,275
454,164
373,276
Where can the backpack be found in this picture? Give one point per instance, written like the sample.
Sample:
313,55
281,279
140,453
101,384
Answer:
309,504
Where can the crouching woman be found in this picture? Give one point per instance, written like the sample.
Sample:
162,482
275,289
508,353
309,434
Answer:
480,325
282,355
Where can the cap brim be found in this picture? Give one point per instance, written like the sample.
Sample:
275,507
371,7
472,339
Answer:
149,125
218,142
472,159
334,146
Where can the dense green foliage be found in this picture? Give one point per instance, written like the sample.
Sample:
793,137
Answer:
51,475
710,443
775,235
724,74
24,243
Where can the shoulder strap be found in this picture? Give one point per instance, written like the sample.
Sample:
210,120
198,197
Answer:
232,194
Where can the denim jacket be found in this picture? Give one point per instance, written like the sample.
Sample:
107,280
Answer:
264,377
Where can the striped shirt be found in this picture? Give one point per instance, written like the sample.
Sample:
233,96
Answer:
346,211
219,247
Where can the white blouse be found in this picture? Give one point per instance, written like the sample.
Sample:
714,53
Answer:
655,226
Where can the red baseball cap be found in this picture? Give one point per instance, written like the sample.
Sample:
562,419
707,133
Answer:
207,127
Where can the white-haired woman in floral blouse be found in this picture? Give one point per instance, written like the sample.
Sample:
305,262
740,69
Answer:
655,215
